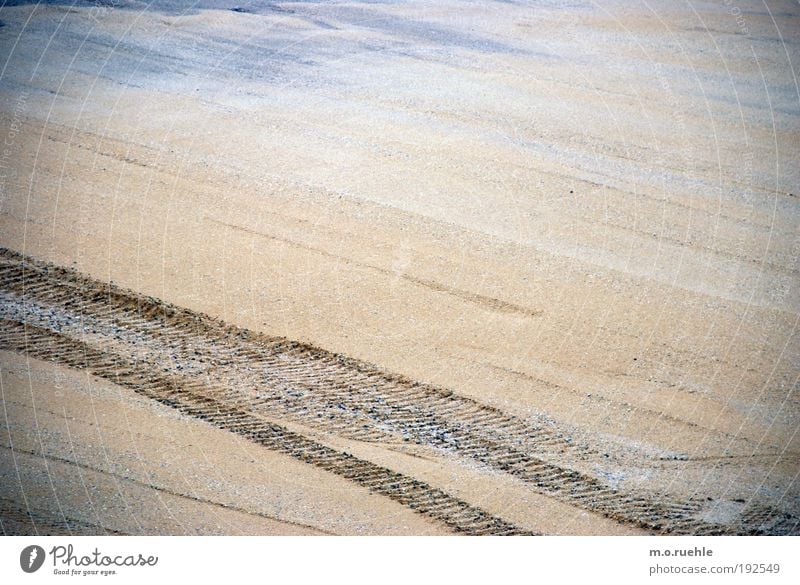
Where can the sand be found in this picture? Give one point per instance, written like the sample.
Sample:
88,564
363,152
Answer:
578,215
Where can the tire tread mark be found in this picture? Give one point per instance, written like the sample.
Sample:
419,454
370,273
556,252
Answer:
280,378
193,399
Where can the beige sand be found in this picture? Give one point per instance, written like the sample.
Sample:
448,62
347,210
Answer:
580,213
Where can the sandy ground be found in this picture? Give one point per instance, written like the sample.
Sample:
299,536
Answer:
152,471
585,214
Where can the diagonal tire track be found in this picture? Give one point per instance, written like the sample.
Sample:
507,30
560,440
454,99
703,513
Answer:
196,400
281,379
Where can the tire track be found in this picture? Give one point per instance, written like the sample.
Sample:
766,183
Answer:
197,400
274,378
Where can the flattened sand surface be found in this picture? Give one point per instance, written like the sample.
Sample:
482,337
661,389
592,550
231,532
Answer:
121,462
579,213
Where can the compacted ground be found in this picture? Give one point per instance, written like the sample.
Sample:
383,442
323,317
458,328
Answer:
399,268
